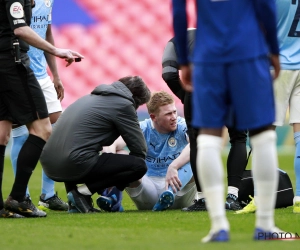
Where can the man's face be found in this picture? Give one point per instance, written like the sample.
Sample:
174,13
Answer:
166,119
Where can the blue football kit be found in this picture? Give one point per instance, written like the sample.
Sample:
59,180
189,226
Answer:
163,149
230,45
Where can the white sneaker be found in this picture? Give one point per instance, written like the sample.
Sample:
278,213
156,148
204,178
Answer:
220,236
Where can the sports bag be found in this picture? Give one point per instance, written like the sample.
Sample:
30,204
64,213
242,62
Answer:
285,193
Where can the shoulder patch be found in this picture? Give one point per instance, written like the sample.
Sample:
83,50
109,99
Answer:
16,10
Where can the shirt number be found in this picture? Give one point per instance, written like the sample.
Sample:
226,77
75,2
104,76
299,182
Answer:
293,32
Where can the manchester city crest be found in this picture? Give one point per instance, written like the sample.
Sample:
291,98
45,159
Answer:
47,3
172,142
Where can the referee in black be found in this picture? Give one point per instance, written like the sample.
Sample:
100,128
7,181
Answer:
22,101
237,158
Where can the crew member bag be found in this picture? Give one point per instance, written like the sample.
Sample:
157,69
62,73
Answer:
285,193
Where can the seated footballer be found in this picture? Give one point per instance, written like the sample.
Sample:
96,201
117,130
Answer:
169,182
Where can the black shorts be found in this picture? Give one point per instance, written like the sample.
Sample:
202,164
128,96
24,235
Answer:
21,98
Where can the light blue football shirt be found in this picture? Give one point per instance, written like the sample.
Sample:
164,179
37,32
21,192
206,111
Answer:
41,18
288,26
163,149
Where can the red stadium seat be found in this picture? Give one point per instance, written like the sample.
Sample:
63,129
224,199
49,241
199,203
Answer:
73,32
90,4
129,39
62,41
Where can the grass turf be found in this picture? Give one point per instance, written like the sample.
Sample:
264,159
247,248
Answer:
133,229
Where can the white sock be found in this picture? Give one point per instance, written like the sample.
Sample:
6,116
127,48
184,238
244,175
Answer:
233,190
199,195
210,169
265,175
83,189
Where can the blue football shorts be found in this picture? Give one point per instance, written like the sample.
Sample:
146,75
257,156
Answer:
237,94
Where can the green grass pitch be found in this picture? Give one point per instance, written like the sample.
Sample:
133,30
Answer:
133,229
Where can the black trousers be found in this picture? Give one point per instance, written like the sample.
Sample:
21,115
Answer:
112,170
237,158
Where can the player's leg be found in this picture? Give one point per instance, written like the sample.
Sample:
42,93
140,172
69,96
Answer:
283,88
209,112
265,175
48,197
8,68
19,136
145,195
257,84
295,120
287,91
236,164
199,202
5,127
186,196
296,200
167,198
185,175
27,160
32,112
193,133
210,169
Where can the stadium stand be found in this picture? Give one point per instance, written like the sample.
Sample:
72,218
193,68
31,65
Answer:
117,38
126,37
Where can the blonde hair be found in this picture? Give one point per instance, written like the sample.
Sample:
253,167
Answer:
157,100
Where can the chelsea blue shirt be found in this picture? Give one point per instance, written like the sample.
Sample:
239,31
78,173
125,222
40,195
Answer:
41,18
227,30
163,149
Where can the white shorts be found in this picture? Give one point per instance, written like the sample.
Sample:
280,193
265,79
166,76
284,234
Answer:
146,195
287,95
53,104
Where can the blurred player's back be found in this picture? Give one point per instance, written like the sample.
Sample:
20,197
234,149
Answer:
288,33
